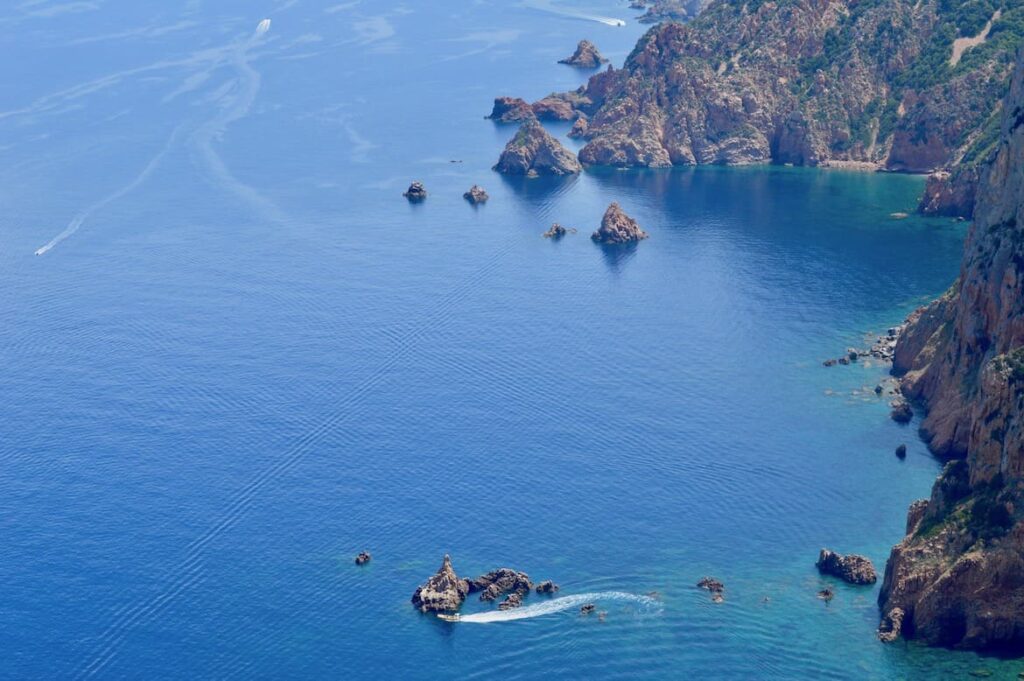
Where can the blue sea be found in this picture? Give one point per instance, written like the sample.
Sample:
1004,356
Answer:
240,357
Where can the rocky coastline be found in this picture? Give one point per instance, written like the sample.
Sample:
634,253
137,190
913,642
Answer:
957,578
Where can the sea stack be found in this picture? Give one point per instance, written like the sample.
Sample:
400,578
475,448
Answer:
618,228
533,151
586,56
444,592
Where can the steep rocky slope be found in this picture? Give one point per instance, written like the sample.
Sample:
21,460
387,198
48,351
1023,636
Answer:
808,82
958,577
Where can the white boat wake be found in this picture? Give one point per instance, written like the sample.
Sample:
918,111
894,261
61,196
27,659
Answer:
555,605
77,221
546,6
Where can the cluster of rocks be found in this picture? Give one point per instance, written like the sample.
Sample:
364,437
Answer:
883,348
445,591
586,56
554,107
363,558
714,586
851,568
618,228
901,412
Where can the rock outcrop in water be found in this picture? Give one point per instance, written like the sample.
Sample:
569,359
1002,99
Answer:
533,151
510,110
957,578
416,192
951,193
851,568
499,582
476,195
618,228
586,56
807,82
363,558
444,592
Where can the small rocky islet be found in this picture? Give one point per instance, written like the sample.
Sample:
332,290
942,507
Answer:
586,56
445,591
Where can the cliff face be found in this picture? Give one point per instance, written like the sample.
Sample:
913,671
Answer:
806,82
958,576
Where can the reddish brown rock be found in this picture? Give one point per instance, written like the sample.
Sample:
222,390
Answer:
851,568
586,56
444,592
533,151
618,228
511,110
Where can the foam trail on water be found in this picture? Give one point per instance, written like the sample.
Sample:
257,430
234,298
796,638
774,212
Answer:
555,605
546,6
77,221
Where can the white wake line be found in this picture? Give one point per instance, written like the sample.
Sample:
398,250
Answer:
546,6
77,221
553,606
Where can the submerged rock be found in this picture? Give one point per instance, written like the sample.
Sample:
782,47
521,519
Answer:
851,568
586,56
476,195
510,110
711,584
588,609
363,558
901,451
533,151
444,592
826,594
618,228
415,192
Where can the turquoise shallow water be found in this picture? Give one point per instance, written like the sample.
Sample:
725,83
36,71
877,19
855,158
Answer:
253,359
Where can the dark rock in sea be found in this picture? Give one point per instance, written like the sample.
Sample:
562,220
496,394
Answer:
586,56
826,594
476,195
901,451
547,587
511,110
829,363
845,361
718,597
415,192
851,568
513,600
534,152
499,582
363,558
444,592
588,609
902,412
580,127
891,626
711,584
618,228
557,231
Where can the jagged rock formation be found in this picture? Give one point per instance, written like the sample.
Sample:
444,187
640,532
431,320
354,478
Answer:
476,195
444,592
557,231
806,82
586,56
951,193
579,127
500,582
416,192
618,228
547,587
957,578
851,568
532,151
553,108
510,110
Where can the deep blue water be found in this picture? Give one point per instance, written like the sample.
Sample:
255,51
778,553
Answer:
253,359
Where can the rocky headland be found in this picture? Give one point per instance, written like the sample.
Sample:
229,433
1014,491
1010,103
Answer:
957,578
586,56
533,151
618,228
807,82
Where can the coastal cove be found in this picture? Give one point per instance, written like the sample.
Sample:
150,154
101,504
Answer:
253,359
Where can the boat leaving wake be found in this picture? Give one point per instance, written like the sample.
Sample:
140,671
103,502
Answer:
546,6
646,603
